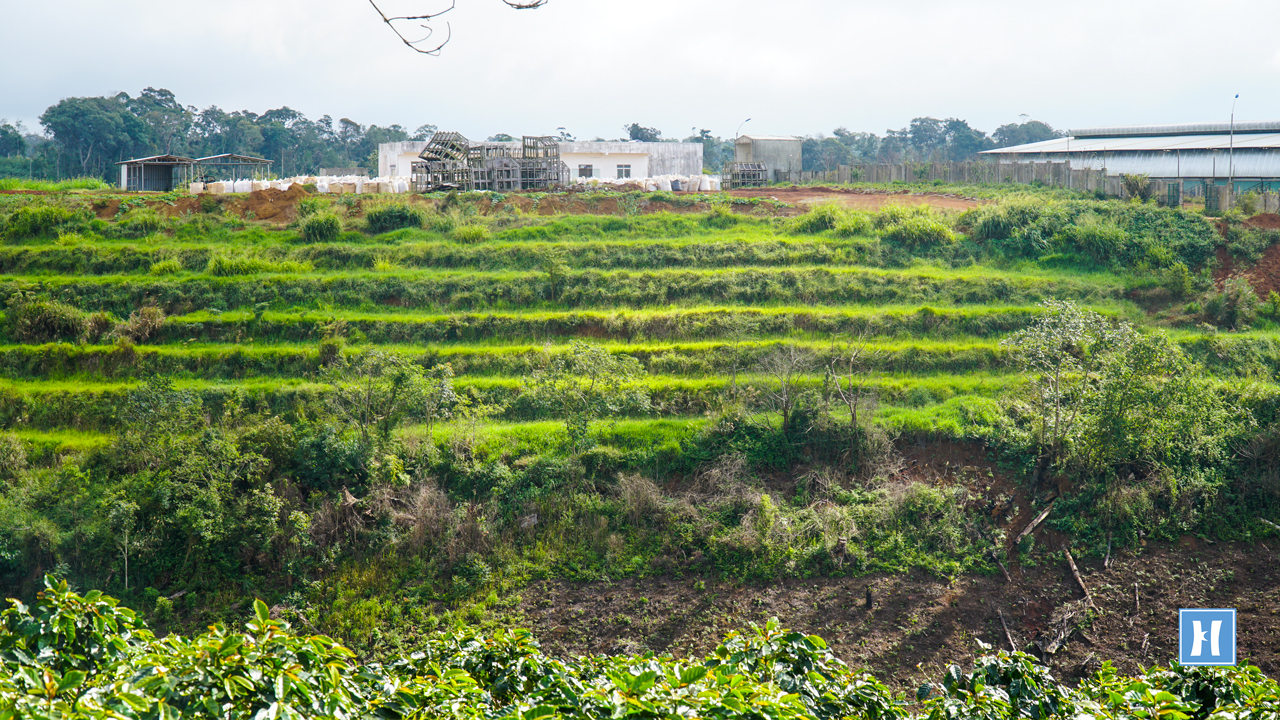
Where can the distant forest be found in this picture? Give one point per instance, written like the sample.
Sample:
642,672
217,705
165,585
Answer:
85,136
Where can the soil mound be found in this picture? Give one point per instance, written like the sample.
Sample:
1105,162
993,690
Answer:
272,204
1265,221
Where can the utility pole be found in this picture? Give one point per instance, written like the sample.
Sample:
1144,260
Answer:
1231,152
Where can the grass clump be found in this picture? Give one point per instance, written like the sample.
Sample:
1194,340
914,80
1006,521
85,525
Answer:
36,320
166,267
393,215
321,227
231,265
40,220
821,218
470,233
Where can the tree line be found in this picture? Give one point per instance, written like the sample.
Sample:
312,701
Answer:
86,136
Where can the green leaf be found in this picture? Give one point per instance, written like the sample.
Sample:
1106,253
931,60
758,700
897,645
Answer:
72,679
260,609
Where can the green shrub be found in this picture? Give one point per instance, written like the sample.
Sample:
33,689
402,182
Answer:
322,227
229,265
165,267
13,456
40,321
1178,280
393,215
470,233
822,217
1100,240
919,232
1234,307
40,220
139,224
895,214
720,217
309,206
854,224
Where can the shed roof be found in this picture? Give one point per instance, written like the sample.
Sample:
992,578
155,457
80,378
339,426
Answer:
1133,143
1204,128
233,159
789,138
159,160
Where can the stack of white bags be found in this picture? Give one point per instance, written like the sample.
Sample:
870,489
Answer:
349,184
325,184
682,183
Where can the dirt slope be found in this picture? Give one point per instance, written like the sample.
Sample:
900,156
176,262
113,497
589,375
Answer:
919,624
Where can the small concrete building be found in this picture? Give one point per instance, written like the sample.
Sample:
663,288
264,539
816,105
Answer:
605,160
778,154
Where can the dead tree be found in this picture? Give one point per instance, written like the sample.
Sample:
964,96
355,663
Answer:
786,366
849,374
420,24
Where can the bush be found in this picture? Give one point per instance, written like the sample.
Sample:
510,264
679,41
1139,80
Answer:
229,265
919,232
854,224
142,324
13,456
1102,241
393,215
40,220
822,217
309,206
42,321
1234,307
470,233
139,225
720,217
322,227
166,267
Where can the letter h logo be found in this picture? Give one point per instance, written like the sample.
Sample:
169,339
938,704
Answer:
1207,637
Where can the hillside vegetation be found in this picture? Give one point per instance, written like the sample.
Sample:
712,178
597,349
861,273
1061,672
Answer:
388,417
60,664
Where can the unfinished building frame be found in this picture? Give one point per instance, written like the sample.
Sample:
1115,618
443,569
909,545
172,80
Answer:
745,175
451,162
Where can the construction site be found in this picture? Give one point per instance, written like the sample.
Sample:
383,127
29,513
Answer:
452,162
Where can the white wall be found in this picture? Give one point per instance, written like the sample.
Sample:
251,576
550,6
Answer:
646,159
605,165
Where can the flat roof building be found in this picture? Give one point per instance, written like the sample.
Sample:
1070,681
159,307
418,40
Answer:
604,160
1246,152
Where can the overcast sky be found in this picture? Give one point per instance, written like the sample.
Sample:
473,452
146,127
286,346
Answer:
794,66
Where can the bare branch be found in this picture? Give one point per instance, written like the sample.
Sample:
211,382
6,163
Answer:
416,45
422,44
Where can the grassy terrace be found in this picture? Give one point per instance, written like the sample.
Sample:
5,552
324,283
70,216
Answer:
696,299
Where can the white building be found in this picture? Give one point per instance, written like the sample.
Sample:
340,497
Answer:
605,160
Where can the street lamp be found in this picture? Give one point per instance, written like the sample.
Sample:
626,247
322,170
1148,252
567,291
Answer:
1231,151
736,134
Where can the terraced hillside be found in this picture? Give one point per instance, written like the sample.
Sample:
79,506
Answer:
171,368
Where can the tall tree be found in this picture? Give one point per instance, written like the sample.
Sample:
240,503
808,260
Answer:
95,132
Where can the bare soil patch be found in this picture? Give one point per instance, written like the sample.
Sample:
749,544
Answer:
860,200
918,624
1264,276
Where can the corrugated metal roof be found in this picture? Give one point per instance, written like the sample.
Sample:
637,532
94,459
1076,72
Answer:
159,160
1162,142
1192,164
1205,128
232,158
789,138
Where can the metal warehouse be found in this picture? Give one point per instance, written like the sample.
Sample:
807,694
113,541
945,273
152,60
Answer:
1244,154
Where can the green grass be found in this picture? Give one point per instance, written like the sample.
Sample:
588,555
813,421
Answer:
82,183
